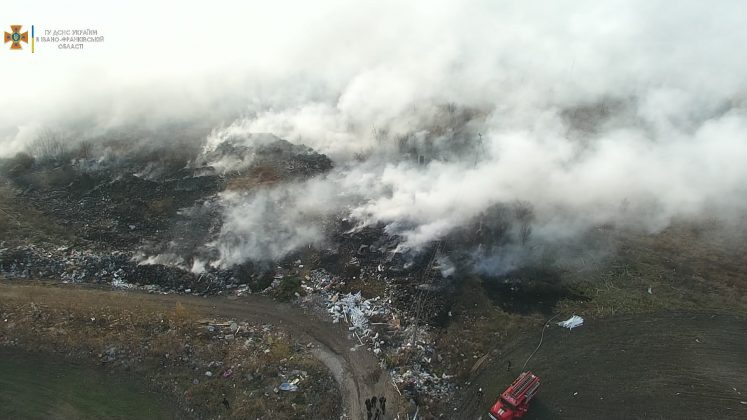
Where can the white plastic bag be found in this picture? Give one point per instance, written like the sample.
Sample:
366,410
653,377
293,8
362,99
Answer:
572,322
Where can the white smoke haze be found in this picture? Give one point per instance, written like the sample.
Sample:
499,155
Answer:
271,223
624,112
232,162
623,176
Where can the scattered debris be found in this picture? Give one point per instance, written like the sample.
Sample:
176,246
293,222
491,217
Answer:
285,386
375,324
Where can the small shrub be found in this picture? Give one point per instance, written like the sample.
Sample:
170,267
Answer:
181,316
19,164
287,289
161,207
50,147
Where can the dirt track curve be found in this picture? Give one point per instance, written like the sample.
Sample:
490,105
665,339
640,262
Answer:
357,372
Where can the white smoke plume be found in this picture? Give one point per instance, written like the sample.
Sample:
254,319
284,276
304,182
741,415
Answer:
626,112
271,223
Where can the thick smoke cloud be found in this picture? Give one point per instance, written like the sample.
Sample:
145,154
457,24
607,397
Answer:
625,112
271,223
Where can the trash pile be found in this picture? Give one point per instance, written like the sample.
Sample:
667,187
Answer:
322,289
118,268
375,324
418,380
357,312
320,282
72,265
416,377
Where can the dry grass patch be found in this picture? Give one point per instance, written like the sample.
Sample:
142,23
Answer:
198,361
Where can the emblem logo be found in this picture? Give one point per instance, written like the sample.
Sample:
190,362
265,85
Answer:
16,37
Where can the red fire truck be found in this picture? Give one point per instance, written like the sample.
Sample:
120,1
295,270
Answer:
514,401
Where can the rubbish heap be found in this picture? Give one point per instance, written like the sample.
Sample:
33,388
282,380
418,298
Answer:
375,324
357,312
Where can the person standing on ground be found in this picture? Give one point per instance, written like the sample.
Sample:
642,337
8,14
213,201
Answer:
382,402
508,366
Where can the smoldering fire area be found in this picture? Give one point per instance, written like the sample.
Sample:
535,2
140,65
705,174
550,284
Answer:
440,178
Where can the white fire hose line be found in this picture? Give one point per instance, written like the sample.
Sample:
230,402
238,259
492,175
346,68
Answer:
542,336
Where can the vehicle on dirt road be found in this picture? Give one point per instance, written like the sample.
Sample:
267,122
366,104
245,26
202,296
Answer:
513,403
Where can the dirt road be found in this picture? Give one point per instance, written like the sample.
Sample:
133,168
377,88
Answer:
357,372
648,366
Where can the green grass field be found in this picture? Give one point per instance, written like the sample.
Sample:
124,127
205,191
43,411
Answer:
38,387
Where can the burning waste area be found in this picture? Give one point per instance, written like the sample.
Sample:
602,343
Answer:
408,204
243,214
252,214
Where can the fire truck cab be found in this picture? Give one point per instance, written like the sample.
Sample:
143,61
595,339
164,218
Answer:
513,403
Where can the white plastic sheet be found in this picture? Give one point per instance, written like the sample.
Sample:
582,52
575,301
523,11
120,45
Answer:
572,322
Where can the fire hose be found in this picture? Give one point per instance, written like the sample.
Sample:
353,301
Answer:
542,336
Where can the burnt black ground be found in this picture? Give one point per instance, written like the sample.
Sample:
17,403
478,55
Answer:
528,290
672,365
